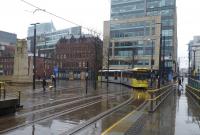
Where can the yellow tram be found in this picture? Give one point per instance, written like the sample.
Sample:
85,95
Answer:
136,77
140,77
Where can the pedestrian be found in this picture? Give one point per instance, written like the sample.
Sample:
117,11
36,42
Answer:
182,79
54,81
179,82
180,86
44,83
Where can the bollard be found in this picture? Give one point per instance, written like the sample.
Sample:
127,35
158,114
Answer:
199,98
151,107
19,98
4,93
0,90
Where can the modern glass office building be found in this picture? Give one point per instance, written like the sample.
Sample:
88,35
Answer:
7,38
133,29
50,39
123,9
47,37
132,42
194,55
41,29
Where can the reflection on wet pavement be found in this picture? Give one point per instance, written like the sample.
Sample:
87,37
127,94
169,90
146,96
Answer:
178,115
187,117
106,123
65,121
55,128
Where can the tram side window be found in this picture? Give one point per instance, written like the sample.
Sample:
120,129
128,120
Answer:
115,75
102,74
111,74
125,76
106,75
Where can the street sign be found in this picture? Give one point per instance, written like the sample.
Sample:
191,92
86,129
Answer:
55,71
170,76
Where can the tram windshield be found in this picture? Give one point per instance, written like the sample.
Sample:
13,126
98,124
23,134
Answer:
141,73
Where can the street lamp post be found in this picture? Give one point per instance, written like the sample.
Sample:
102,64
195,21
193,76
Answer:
194,65
133,57
86,79
198,72
44,56
189,60
163,65
174,62
160,48
152,62
108,64
95,63
34,58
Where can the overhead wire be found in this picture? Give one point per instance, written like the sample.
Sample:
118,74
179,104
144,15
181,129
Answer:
50,13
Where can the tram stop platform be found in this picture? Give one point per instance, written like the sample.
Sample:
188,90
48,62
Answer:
177,115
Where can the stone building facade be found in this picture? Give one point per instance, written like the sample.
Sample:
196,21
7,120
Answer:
44,65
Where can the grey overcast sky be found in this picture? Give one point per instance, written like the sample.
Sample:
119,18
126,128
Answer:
16,16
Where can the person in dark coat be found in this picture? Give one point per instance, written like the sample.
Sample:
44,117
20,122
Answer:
180,86
179,82
54,81
182,79
44,83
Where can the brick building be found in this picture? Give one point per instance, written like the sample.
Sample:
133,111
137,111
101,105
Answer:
44,67
73,54
7,51
6,59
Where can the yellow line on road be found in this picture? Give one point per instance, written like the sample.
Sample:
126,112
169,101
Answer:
115,124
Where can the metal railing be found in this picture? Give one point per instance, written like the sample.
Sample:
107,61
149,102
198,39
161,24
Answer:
194,83
157,96
2,90
193,88
4,94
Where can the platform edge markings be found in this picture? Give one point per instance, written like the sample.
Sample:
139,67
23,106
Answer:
124,118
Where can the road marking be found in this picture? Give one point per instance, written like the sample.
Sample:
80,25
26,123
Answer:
116,123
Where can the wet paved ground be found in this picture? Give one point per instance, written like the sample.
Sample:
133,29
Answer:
178,115
56,111
104,124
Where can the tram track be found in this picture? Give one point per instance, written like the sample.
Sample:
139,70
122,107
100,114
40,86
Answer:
39,93
57,101
50,103
50,113
134,103
51,116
